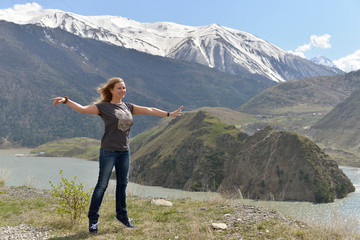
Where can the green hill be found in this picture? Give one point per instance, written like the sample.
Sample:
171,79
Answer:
316,94
340,127
199,152
84,148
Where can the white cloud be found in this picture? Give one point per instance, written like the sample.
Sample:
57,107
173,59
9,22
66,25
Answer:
303,48
21,13
27,7
349,63
300,54
21,8
322,41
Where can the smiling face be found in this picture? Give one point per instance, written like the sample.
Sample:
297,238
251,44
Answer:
119,91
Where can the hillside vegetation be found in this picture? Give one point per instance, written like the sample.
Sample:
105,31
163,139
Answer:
198,152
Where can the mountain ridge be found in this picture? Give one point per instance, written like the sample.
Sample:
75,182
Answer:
226,49
305,95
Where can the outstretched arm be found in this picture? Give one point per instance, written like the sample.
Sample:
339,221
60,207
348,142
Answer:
90,109
138,110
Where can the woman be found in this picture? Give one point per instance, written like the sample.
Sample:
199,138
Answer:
114,151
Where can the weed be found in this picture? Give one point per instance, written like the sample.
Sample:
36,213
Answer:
72,198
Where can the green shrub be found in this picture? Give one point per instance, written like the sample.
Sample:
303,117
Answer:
72,198
323,194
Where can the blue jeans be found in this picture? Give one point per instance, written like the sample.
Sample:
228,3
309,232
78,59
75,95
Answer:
107,160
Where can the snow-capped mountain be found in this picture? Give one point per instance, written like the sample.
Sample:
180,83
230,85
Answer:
323,61
224,48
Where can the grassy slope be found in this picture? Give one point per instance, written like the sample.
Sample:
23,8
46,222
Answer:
85,148
175,136
316,94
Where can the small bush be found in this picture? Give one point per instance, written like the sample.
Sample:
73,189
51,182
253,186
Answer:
72,198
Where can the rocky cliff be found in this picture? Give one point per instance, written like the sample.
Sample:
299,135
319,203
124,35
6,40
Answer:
198,152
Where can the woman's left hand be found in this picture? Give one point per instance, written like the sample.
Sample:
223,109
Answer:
176,113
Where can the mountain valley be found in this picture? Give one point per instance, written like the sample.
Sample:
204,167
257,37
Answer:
40,63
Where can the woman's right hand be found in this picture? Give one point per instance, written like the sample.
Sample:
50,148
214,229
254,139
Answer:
90,109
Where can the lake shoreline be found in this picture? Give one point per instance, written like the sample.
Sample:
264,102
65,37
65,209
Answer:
15,150
37,171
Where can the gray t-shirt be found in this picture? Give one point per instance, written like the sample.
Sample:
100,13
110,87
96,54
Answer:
118,120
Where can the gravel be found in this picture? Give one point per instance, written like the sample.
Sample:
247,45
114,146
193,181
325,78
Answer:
245,217
23,232
23,192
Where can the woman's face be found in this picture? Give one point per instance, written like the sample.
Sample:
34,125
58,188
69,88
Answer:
119,90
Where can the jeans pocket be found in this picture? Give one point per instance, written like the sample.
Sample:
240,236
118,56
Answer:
107,153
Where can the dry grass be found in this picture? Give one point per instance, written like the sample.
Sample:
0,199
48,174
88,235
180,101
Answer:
4,176
186,219
345,225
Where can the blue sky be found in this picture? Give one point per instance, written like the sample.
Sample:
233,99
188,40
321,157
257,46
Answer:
310,28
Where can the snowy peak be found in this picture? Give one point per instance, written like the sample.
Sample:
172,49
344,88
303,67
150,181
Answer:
323,61
224,48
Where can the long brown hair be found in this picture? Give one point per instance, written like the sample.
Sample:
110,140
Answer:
104,89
